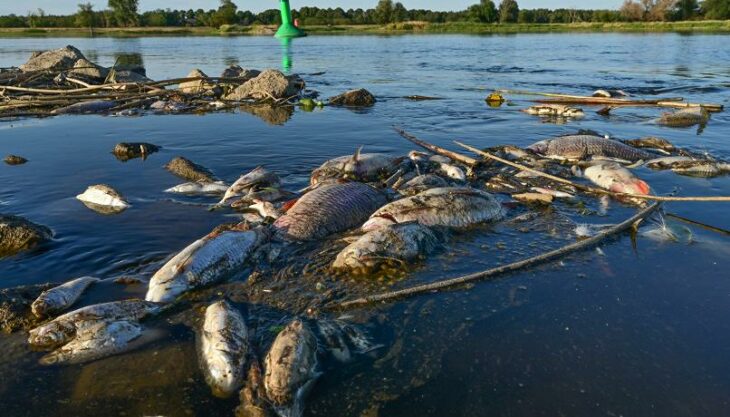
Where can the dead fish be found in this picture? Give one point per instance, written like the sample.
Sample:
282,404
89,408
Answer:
334,340
399,243
701,169
266,194
63,328
329,209
62,297
95,341
218,187
614,177
96,106
651,142
259,178
554,110
667,162
290,369
364,167
686,117
452,171
422,183
204,262
582,147
610,93
554,193
439,159
457,207
103,196
266,209
417,156
189,170
224,347
126,151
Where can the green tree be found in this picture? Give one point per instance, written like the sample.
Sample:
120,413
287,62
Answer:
37,18
509,11
485,12
125,12
400,13
687,9
226,14
716,9
85,17
384,12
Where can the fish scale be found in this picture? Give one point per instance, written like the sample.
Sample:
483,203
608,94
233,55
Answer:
329,209
580,147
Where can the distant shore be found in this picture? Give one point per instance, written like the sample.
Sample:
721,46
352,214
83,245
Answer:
702,26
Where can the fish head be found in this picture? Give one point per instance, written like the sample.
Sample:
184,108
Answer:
52,334
40,307
165,291
632,186
540,147
378,222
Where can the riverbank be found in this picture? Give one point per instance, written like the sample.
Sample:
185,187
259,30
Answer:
710,26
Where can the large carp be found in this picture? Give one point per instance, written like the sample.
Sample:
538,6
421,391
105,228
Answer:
329,209
62,297
63,328
224,347
290,369
581,147
399,243
457,207
204,262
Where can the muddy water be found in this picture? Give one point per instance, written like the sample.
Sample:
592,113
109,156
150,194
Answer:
638,328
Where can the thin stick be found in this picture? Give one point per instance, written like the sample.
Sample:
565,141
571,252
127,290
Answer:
621,102
696,223
491,273
436,149
587,188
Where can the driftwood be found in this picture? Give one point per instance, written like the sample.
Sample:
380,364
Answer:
494,272
436,149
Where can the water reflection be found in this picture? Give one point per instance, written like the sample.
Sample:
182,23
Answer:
273,115
132,61
286,54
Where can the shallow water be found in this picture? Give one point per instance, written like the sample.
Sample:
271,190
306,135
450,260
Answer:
637,330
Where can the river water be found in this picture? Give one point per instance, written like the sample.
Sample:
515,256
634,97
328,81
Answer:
638,328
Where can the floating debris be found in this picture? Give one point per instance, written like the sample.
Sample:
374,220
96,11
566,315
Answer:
196,188
554,110
125,151
103,199
15,160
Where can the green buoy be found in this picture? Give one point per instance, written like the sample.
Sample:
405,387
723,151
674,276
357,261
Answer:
287,28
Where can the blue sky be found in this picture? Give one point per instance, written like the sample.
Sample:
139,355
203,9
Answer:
69,6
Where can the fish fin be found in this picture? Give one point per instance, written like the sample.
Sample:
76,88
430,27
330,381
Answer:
356,155
289,204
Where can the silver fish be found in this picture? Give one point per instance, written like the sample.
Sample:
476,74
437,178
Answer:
96,106
62,297
610,93
63,328
265,194
259,178
652,142
329,209
614,177
218,187
224,348
401,243
290,369
457,207
667,162
95,341
701,169
452,171
581,147
422,183
686,117
203,262
103,196
364,167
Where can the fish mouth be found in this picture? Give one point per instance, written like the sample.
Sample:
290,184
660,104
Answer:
637,187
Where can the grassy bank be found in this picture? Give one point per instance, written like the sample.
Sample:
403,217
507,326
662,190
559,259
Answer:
710,26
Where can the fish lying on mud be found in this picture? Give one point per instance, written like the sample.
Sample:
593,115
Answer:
98,197
329,209
396,243
364,167
224,347
290,369
96,106
60,298
218,187
259,178
685,118
582,147
613,177
457,207
94,341
204,262
63,328
422,183
554,110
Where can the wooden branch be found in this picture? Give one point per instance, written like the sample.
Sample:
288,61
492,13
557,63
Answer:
494,272
437,149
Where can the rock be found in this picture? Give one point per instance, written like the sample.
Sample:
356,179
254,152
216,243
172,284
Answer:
235,71
56,59
126,151
192,87
18,234
270,84
354,98
15,311
85,68
126,76
186,169
15,160
533,198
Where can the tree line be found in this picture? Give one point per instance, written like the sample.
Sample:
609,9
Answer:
125,13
